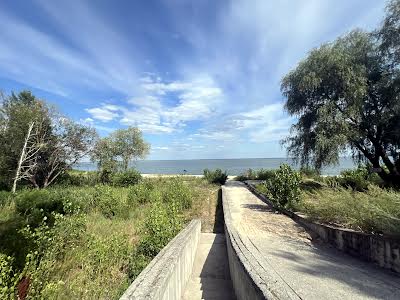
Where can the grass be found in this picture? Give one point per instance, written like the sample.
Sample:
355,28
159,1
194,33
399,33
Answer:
102,240
374,210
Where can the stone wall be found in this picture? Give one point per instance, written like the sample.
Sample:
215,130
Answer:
167,274
381,250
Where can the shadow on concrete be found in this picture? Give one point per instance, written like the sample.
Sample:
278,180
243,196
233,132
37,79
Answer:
219,215
323,261
214,276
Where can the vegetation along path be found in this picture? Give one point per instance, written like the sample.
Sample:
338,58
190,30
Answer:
311,269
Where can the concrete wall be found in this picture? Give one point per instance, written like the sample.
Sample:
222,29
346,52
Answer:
167,274
381,250
251,278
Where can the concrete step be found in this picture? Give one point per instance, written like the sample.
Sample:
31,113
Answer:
208,288
210,277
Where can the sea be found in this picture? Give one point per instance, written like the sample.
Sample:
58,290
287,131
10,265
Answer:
232,166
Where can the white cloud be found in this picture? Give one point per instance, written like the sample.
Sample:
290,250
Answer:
198,99
104,113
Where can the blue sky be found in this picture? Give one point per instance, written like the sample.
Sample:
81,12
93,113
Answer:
200,78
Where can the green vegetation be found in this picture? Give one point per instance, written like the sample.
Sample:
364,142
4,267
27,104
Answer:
262,174
91,240
284,186
114,152
357,199
37,143
345,95
216,176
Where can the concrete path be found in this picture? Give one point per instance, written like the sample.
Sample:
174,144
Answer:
311,269
210,277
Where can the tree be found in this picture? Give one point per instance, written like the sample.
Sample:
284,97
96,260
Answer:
121,147
345,95
42,151
129,145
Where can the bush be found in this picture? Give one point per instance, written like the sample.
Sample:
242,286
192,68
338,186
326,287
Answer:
179,193
309,172
358,179
38,204
264,174
141,193
126,178
161,225
250,174
79,178
216,176
284,186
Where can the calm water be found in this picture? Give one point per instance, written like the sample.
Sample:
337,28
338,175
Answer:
232,166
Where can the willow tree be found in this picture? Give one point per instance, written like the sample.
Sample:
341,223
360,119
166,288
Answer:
346,95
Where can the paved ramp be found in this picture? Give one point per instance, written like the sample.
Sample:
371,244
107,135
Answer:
312,270
210,279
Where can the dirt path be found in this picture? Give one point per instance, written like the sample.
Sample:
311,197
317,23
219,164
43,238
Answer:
311,269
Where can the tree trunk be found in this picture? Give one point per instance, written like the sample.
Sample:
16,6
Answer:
21,158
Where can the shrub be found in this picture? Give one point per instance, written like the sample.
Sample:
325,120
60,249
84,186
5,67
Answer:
358,179
179,193
111,202
126,178
216,176
264,174
161,225
141,193
284,186
38,204
8,278
79,178
309,172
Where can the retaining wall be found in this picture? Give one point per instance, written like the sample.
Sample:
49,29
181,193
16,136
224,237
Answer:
381,250
167,274
250,273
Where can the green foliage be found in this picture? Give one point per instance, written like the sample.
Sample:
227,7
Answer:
375,210
216,176
117,150
142,193
38,204
87,241
358,179
177,193
164,223
79,178
346,96
284,186
126,178
8,279
262,174
55,142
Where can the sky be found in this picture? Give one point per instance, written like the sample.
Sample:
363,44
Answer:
200,78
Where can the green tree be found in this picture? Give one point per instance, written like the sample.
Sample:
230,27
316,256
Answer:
345,95
122,146
62,141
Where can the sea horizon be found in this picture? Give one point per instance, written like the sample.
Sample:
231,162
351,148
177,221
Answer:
233,166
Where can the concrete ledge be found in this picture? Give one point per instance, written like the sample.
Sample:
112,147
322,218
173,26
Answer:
252,278
167,274
382,250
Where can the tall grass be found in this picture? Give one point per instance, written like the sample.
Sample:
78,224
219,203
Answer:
375,210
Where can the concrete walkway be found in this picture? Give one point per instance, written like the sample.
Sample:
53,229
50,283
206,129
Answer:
311,269
210,279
